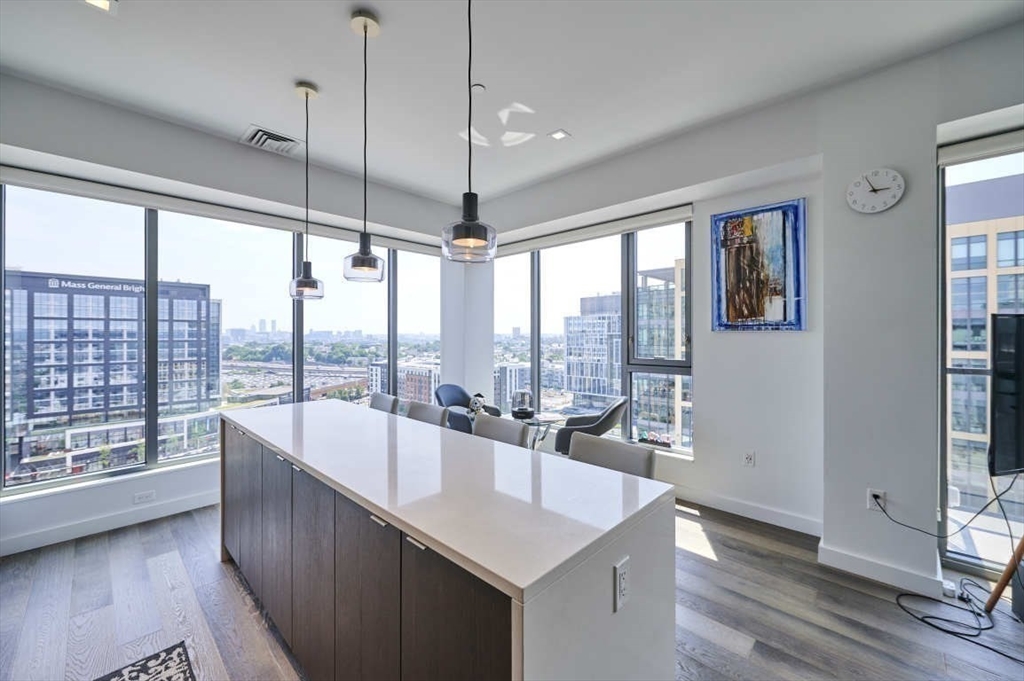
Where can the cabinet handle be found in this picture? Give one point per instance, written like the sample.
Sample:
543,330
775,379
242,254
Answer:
415,543
279,457
378,520
296,468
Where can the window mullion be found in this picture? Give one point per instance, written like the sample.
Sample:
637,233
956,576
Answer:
152,344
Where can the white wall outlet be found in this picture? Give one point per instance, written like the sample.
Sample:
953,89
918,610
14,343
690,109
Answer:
621,584
750,459
872,504
144,497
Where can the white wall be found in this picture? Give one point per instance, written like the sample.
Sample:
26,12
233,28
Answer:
35,519
758,392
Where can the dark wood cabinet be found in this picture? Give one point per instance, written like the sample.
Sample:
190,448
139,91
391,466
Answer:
454,625
354,597
276,585
250,517
368,583
313,548
231,469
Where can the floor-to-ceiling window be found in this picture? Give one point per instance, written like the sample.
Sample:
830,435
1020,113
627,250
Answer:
346,333
581,326
984,273
661,386
419,326
74,374
224,329
511,328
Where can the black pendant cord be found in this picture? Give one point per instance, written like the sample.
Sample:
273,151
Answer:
364,123
305,243
469,92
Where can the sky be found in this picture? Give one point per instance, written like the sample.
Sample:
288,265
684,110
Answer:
985,169
575,271
247,267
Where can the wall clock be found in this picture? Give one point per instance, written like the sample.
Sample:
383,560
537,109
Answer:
875,190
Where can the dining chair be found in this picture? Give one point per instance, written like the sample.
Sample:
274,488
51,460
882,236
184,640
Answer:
502,430
382,402
594,424
613,454
428,413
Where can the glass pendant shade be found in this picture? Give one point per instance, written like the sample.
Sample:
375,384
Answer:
363,265
469,240
306,287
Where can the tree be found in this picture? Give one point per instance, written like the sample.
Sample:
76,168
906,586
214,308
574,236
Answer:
105,456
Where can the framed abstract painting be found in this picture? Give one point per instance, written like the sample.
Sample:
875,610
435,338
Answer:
758,268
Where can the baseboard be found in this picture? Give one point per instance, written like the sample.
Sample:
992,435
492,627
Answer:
104,523
901,578
765,514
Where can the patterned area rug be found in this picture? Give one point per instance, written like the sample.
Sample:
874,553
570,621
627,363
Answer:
170,664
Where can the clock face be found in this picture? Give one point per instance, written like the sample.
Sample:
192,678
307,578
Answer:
875,190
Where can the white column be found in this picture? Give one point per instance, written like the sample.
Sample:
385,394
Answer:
467,326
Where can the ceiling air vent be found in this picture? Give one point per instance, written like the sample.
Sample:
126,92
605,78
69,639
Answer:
268,140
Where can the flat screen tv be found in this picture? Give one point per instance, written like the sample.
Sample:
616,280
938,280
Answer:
1006,448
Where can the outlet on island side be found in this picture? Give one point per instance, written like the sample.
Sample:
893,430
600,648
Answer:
873,504
621,584
144,497
750,459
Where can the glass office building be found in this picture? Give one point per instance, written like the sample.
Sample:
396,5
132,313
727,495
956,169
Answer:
76,384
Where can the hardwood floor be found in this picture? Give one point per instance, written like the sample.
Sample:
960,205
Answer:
751,603
84,608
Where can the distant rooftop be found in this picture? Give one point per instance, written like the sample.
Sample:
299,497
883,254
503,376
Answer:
1001,197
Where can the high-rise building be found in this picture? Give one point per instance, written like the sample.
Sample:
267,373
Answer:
508,378
593,351
273,326
74,349
377,376
517,332
984,274
263,326
662,406
418,381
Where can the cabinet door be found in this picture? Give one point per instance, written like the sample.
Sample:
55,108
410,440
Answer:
368,563
277,541
250,519
313,575
454,625
232,472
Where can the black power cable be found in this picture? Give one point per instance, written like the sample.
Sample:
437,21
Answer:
982,621
878,502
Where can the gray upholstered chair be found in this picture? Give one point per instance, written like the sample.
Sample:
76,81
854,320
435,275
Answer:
502,430
428,413
382,402
592,424
614,454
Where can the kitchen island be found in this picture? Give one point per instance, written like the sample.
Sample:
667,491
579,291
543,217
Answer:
386,548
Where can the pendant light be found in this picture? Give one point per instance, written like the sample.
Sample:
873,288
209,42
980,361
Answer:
363,265
469,240
305,287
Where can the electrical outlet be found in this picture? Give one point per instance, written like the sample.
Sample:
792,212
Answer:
621,583
144,497
872,504
750,459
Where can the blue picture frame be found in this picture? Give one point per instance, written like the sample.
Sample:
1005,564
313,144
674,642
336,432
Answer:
758,268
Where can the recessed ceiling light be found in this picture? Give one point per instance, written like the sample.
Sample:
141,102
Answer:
109,6
559,134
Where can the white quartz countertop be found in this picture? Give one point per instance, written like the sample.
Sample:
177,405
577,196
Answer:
517,519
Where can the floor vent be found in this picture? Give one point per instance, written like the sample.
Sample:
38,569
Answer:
268,140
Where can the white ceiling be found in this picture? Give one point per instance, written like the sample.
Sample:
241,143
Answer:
614,74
